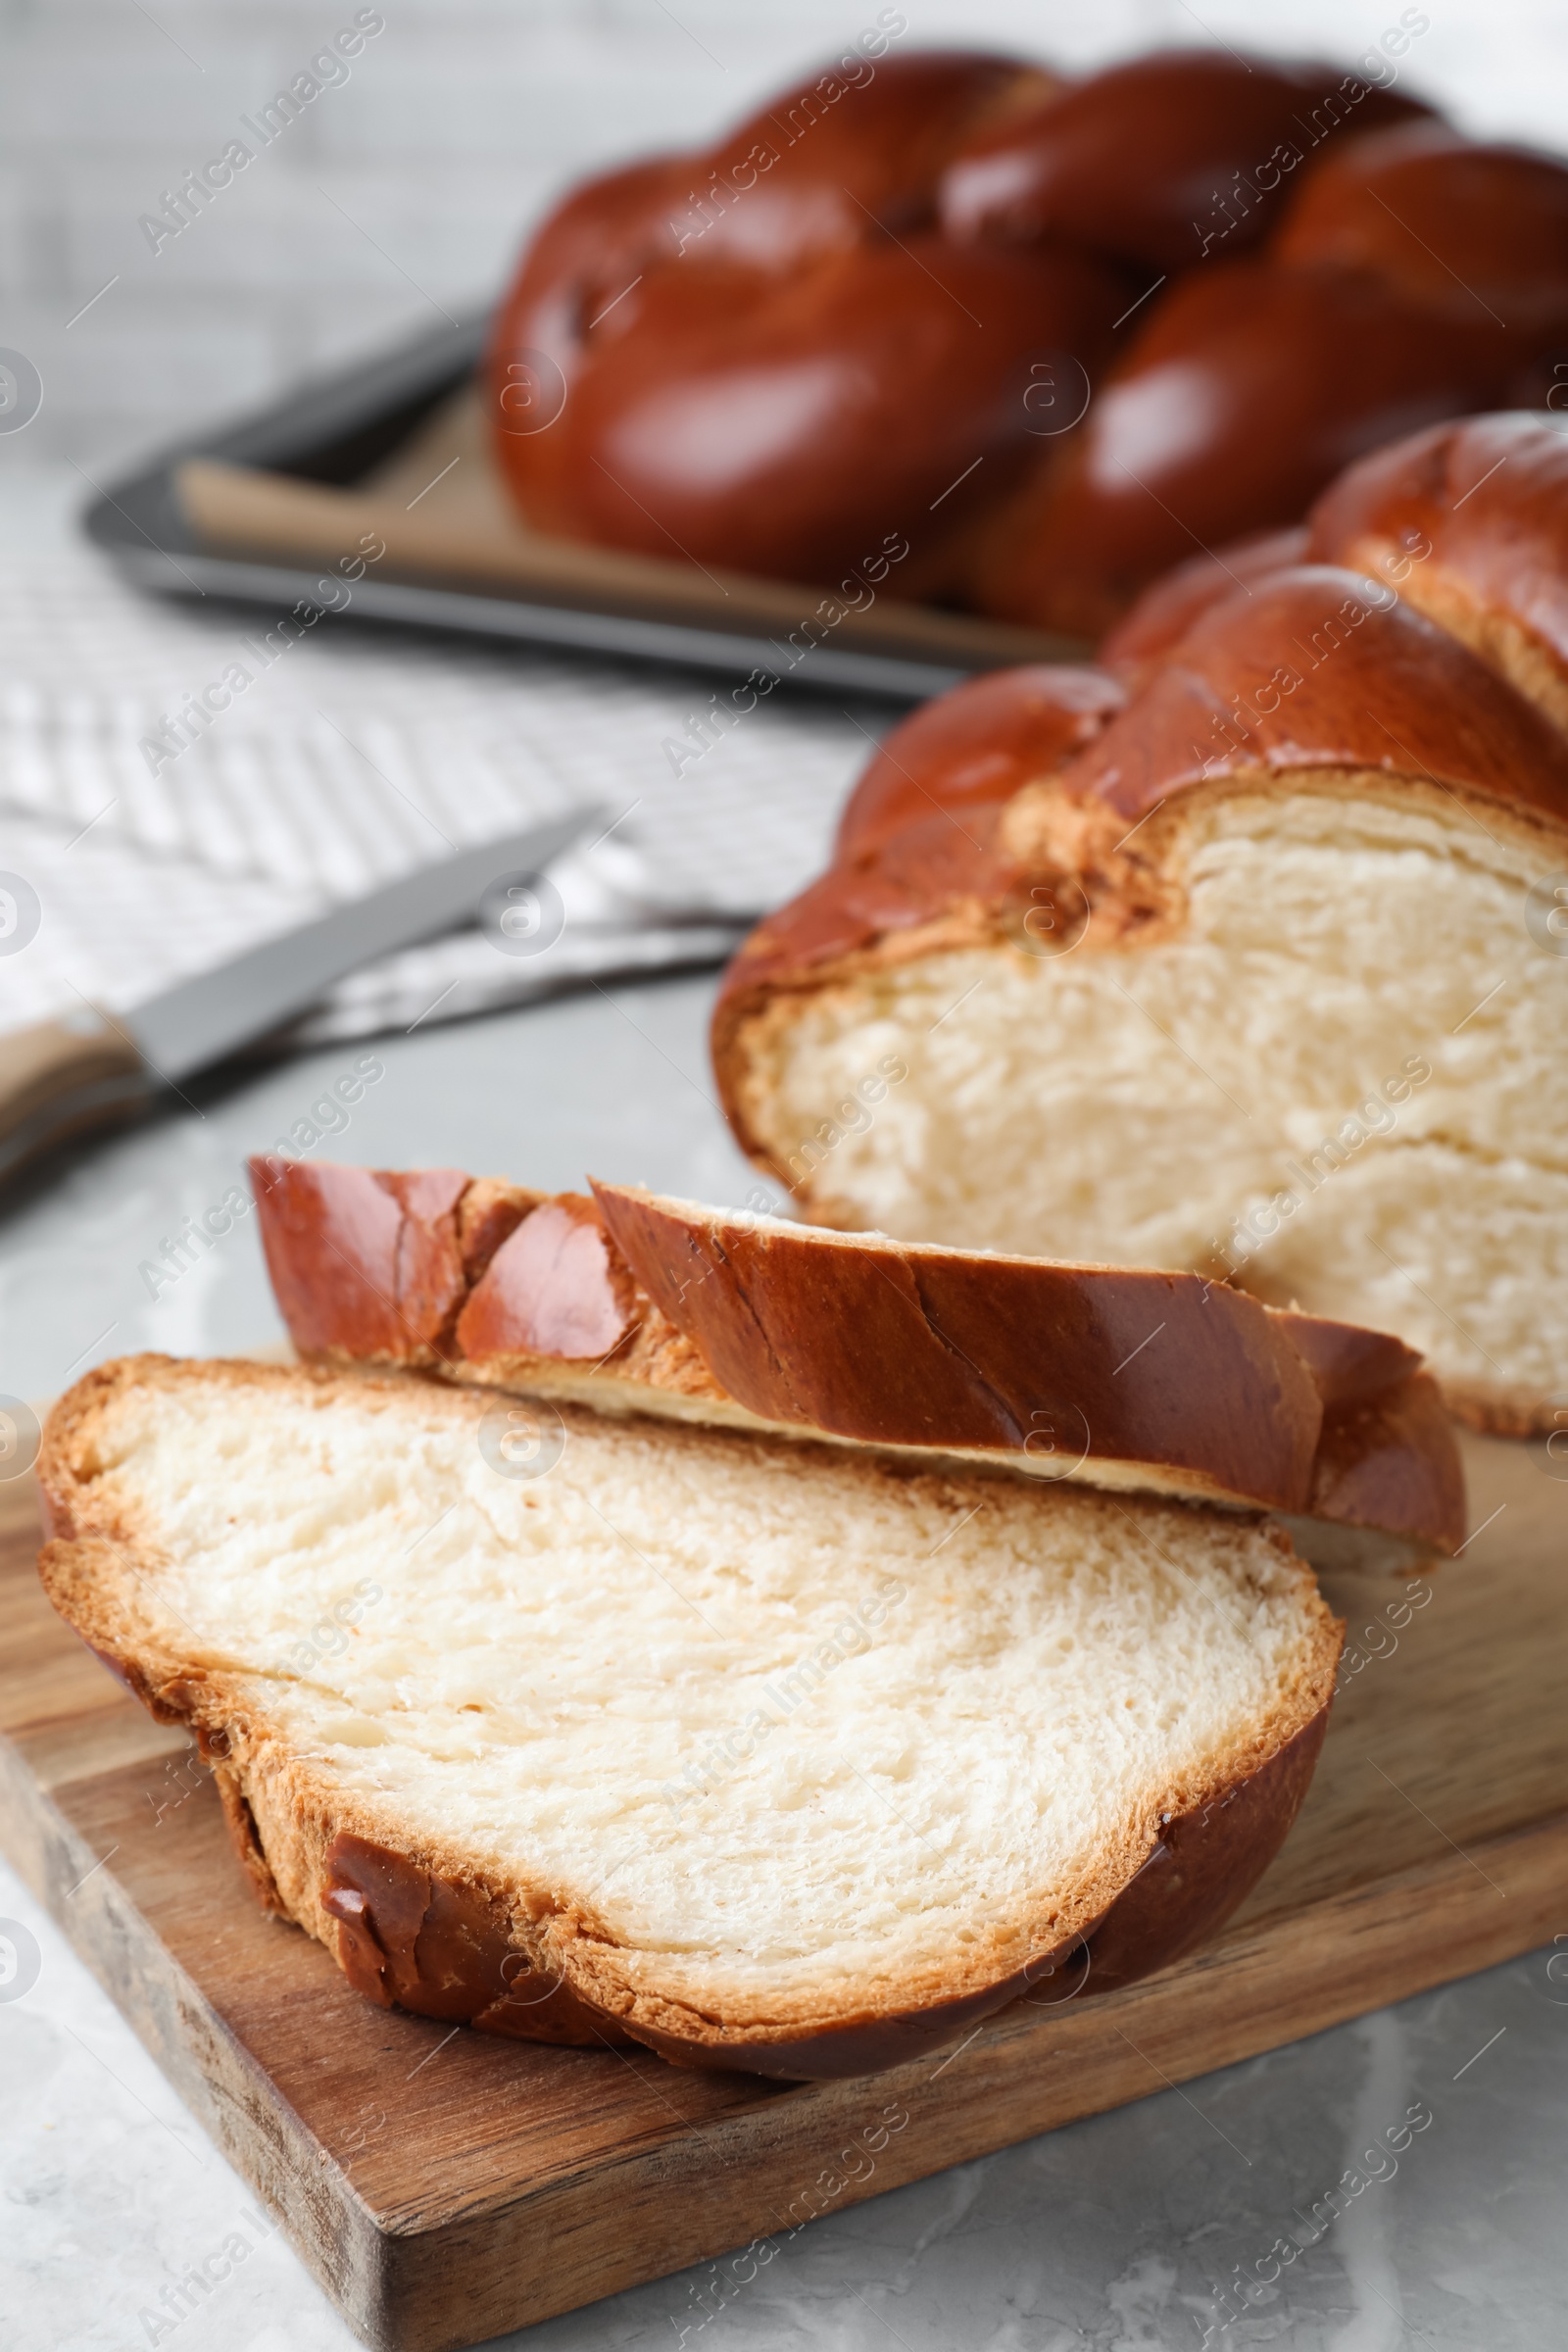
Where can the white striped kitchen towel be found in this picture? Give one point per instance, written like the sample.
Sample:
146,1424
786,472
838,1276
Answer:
356,756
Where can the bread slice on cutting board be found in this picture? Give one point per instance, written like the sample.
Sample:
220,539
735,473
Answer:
1122,1378
771,1755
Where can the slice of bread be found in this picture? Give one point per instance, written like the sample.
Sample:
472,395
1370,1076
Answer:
1120,1377
769,1755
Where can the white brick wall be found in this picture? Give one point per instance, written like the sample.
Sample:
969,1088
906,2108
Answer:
458,123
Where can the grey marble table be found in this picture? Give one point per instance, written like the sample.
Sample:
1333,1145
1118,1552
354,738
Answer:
1113,2233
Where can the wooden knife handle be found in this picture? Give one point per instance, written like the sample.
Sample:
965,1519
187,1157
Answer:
60,1078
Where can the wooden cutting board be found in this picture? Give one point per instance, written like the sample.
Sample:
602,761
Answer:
445,2187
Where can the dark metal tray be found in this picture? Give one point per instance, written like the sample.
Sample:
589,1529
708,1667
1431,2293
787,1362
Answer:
335,429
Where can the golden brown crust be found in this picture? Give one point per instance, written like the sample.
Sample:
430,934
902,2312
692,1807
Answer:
553,1287
918,862
1259,352
1196,119
1440,261
410,1938
700,356
1168,611
423,1925
902,1345
866,317
394,1247
1456,225
1318,668
1469,522
893,1346
371,1266
964,754
871,316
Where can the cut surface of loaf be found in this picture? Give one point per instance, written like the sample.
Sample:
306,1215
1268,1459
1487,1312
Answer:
1257,982
630,1301
770,1756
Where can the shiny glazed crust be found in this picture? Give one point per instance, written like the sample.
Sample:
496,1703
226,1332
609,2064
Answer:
869,317
637,1301
903,1344
416,1923
1262,346
1470,523
701,354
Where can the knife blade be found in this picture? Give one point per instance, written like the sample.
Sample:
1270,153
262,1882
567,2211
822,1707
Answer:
89,1067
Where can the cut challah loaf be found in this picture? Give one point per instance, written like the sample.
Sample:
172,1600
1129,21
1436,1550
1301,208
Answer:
1123,1378
1263,981
771,1756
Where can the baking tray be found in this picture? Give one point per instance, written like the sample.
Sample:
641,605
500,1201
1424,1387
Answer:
394,448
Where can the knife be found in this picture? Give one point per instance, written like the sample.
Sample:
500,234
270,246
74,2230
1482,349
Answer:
89,1068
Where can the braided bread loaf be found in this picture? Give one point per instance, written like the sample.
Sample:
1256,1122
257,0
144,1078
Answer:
874,314
1241,953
